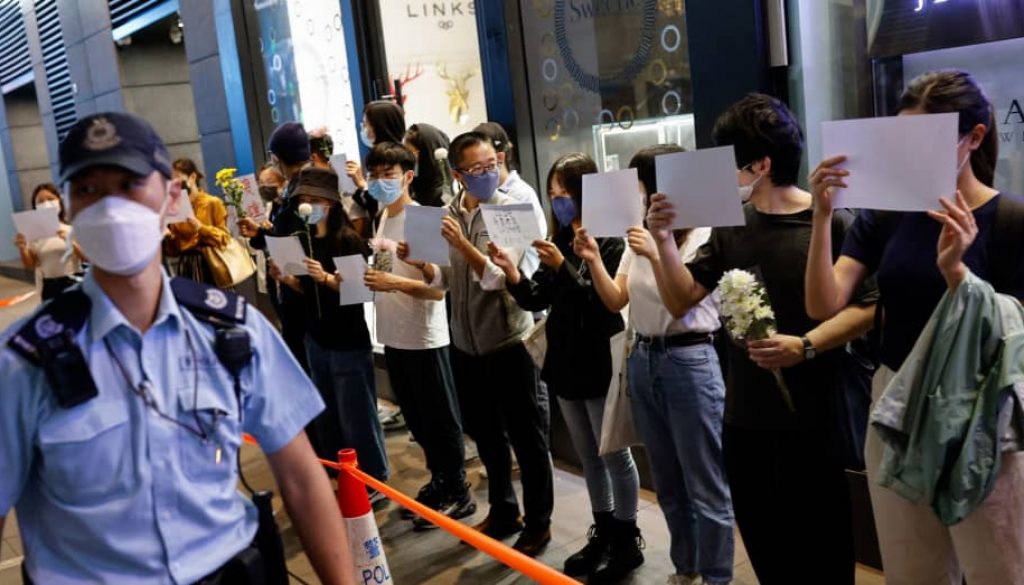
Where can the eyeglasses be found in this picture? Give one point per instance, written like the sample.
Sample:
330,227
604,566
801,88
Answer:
479,171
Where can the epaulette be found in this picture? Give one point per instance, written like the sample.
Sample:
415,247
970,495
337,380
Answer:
48,341
210,304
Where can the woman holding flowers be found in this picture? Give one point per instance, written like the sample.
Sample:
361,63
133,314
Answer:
337,339
788,485
676,392
207,228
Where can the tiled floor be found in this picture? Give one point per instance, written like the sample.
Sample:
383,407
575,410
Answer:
436,558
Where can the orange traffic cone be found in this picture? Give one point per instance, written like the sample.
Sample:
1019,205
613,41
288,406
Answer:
363,537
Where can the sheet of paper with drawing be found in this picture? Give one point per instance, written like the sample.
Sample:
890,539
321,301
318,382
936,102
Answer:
612,203
288,254
423,234
37,224
511,226
898,163
339,162
702,186
252,203
352,289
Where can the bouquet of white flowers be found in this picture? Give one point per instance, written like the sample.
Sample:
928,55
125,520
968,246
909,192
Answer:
748,315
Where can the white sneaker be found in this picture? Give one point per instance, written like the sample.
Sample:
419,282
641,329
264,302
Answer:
684,580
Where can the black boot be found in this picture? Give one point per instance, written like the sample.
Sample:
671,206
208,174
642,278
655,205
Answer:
623,555
598,541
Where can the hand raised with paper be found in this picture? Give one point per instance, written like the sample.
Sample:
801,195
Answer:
452,232
549,254
642,243
959,230
660,215
825,179
355,172
586,247
501,259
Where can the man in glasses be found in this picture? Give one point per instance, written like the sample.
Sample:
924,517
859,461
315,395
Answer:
494,375
123,401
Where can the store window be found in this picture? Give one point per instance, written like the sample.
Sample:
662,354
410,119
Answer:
607,77
302,43
432,49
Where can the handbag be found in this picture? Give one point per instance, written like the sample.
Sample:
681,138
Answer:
536,342
229,265
618,430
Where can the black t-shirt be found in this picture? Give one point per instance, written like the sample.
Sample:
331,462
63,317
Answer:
774,248
334,327
901,249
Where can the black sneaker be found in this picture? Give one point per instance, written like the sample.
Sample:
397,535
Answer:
430,495
457,507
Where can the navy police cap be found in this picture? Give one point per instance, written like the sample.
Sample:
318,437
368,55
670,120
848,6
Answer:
113,139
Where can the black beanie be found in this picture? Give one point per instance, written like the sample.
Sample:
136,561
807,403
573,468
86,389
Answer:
290,143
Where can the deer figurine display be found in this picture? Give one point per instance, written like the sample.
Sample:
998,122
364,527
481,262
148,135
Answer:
458,93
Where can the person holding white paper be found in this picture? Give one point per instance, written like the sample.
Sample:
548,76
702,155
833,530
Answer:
578,370
208,228
900,249
676,392
789,489
47,256
337,340
412,324
494,374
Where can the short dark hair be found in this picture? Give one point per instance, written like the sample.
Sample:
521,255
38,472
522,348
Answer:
463,142
387,120
389,154
644,163
321,143
940,92
502,143
760,126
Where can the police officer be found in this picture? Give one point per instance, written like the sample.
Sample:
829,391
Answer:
120,418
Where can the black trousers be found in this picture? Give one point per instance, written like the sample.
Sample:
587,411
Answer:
501,406
425,387
792,504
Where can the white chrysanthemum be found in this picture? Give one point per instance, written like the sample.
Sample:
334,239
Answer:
763,312
305,210
441,153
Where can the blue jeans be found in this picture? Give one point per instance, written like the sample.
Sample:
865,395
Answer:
678,399
347,385
612,480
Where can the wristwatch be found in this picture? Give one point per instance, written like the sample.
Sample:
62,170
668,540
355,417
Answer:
809,351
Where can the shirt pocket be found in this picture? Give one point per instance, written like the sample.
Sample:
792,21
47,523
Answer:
210,456
86,452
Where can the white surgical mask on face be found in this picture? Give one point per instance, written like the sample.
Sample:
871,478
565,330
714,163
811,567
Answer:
747,191
48,205
119,235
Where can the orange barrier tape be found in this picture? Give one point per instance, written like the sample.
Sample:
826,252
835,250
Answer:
11,301
533,569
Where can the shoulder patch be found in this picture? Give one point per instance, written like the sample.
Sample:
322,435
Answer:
208,303
66,313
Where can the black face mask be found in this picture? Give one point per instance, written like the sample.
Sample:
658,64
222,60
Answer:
269,194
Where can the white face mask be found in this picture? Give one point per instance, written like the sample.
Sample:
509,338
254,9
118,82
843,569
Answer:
747,191
119,235
48,205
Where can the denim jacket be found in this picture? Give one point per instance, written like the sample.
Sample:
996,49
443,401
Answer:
956,404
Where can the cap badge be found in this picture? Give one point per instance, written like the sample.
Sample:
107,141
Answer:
216,299
101,135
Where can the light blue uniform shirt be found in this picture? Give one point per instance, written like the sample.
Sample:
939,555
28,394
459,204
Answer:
110,492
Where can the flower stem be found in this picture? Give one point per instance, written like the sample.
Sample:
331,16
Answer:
784,389
316,289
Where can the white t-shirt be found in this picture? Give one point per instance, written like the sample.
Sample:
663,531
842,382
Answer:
647,313
49,252
404,322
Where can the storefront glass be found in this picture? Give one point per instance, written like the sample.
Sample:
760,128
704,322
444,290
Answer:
306,66
432,48
607,77
996,66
